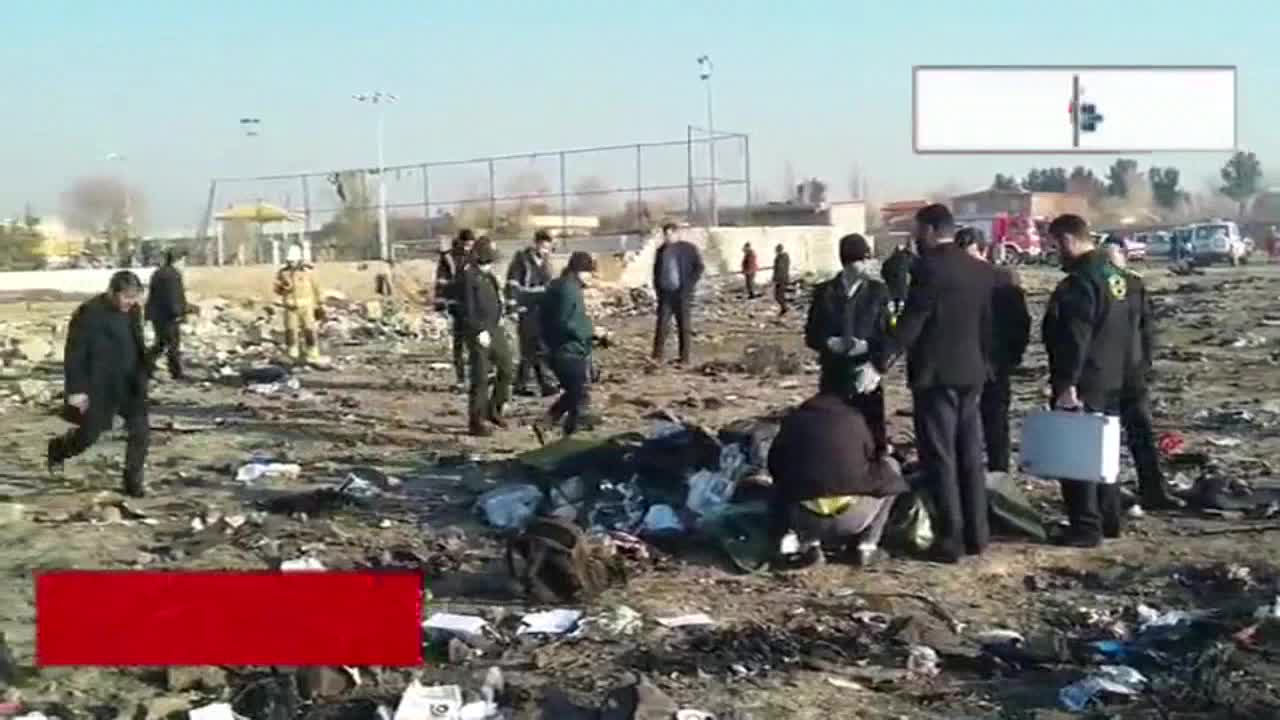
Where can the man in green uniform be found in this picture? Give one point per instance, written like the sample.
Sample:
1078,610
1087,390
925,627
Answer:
487,344
567,332
1088,330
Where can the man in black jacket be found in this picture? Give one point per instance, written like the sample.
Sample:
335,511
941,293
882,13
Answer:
677,268
896,272
945,329
486,341
1135,401
1088,333
568,334
106,370
166,309
831,486
781,278
1010,333
848,317
449,270
527,278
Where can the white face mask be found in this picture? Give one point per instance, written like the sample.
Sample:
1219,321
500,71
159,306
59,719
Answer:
584,278
485,267
859,267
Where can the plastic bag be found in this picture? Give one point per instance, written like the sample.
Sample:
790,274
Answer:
510,507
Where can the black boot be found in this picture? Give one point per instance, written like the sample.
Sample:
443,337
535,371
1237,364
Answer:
53,458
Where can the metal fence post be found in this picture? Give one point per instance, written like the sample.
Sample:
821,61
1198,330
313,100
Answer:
639,187
564,199
688,154
746,153
493,201
426,198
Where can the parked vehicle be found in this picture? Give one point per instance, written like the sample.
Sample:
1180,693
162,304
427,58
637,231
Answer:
1135,246
1160,244
1218,241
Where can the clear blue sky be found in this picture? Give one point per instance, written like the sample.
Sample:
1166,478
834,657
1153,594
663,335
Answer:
818,85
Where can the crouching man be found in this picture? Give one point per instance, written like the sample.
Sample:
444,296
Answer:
831,486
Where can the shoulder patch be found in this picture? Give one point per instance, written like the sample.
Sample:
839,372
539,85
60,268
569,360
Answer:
1117,285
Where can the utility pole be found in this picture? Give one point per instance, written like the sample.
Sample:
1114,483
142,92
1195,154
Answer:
704,66
379,100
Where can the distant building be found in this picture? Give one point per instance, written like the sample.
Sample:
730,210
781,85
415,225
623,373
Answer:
1019,202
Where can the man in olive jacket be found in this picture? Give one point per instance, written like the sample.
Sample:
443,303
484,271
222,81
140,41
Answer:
105,374
482,311
567,332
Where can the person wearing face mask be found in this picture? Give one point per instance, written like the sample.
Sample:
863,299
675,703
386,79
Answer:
567,333
106,372
1089,334
945,331
847,326
527,279
482,311
1010,333
1135,401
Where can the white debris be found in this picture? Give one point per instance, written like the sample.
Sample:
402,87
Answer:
304,564
259,470
549,622
435,702
689,620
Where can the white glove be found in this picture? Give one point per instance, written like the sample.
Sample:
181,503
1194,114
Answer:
856,348
836,345
865,379
484,339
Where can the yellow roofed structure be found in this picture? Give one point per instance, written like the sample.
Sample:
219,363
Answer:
283,222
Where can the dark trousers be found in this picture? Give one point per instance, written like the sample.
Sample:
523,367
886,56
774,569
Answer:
678,305
949,436
459,353
487,399
168,341
780,295
574,374
96,421
1135,415
751,284
995,420
533,357
1092,507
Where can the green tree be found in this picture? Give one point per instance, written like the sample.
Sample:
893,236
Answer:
1118,176
20,245
1082,181
1242,178
1164,187
1046,180
1005,182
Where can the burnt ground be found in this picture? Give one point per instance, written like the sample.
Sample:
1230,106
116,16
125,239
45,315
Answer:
786,646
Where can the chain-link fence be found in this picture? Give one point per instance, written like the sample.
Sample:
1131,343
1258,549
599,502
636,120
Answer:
576,194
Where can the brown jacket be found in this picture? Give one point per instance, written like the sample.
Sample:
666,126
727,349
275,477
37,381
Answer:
297,287
824,449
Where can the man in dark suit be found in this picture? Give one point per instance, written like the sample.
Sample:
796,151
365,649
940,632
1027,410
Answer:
450,267
106,370
850,315
677,268
1010,333
945,330
528,275
166,308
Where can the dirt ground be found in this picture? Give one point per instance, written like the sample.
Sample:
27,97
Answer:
786,646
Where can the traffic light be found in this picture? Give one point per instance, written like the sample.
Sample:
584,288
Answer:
1089,117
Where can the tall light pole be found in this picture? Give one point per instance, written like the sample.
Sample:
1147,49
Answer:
379,100
704,71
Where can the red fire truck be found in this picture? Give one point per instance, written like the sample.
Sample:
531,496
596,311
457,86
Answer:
1014,239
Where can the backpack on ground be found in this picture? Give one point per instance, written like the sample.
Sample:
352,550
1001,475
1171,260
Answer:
554,561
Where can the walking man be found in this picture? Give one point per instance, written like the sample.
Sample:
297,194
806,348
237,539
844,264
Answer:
300,299
487,344
1135,402
166,309
1010,333
106,371
677,268
527,278
781,278
750,266
945,330
568,333
848,317
1088,332
448,295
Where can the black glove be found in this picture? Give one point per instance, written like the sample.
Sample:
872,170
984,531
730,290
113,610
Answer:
320,314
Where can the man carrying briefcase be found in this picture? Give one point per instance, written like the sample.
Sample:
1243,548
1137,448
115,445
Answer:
1087,334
